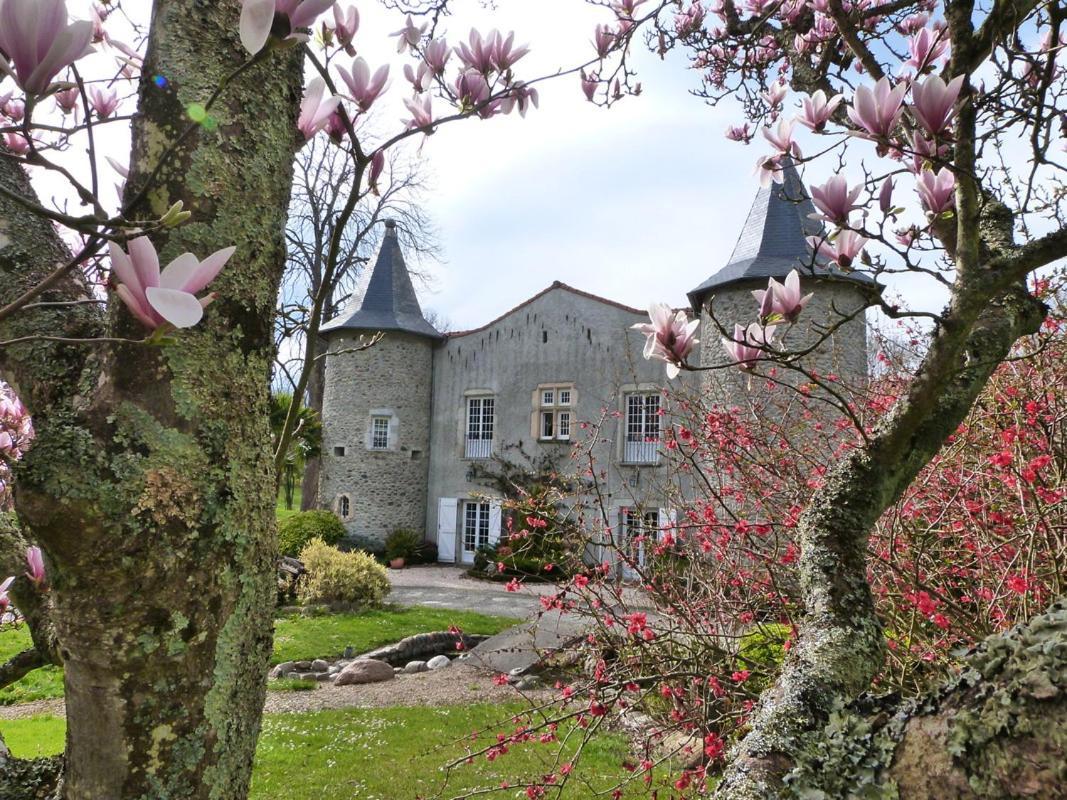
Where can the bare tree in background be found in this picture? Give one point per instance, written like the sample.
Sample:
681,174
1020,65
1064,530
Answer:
322,180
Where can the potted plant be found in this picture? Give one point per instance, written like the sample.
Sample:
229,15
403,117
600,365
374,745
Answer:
400,546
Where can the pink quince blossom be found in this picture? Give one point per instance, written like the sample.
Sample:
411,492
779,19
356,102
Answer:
937,190
103,101
35,565
835,200
926,46
782,299
410,35
669,336
842,249
818,110
345,25
314,111
877,110
933,102
257,19
156,298
748,344
364,87
36,36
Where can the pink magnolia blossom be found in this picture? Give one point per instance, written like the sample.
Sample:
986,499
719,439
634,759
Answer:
878,110
421,112
748,345
14,110
477,52
505,54
775,94
345,25
377,165
603,40
818,110
783,299
914,23
314,110
156,298
67,100
670,336
738,133
782,138
835,200
419,77
842,249
5,601
335,126
103,101
17,143
926,46
933,102
521,97
885,196
436,56
36,36
364,87
257,18
937,190
410,35
769,170
472,88
589,85
35,565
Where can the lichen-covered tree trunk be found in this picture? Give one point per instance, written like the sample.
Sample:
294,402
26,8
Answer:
150,484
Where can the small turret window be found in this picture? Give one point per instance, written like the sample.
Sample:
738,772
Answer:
379,435
343,507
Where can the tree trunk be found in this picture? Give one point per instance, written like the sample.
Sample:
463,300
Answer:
151,484
309,498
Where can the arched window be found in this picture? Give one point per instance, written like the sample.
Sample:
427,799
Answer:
344,507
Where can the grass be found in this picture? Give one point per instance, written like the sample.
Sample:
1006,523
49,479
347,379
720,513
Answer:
296,638
279,508
299,638
387,754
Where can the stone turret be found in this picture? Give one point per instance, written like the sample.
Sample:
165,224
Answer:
772,243
376,405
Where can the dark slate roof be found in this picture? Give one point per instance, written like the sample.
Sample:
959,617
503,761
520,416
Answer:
389,303
773,241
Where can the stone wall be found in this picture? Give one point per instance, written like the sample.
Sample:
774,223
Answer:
386,489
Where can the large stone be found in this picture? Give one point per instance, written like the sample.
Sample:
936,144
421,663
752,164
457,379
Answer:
415,666
364,670
282,669
438,662
302,666
320,665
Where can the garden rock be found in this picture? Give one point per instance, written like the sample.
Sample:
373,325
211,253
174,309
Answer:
438,662
320,665
364,670
283,669
415,666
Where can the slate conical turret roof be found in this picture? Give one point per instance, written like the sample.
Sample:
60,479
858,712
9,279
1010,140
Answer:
774,240
389,303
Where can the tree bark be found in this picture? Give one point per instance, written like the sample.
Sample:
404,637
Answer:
151,483
309,498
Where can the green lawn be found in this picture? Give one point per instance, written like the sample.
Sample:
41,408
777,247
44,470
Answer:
385,754
280,510
295,638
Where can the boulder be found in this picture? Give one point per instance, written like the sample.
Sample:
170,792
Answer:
320,665
302,666
282,669
438,662
415,666
364,670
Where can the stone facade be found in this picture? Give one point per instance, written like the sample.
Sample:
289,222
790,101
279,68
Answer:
385,488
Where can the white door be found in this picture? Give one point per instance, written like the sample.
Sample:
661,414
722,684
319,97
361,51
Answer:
494,523
637,530
446,529
476,528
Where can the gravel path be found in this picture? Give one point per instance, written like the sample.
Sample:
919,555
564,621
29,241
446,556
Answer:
459,684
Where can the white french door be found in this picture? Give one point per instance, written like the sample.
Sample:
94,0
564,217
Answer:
636,530
481,527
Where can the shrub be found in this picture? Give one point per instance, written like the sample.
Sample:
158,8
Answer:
373,547
402,543
337,577
296,531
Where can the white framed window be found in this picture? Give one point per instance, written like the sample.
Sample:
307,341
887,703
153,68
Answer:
553,414
379,433
642,434
481,424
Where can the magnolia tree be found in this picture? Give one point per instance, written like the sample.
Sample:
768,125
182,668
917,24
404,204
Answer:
137,331
944,121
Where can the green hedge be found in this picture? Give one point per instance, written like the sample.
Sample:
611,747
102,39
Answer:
296,531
